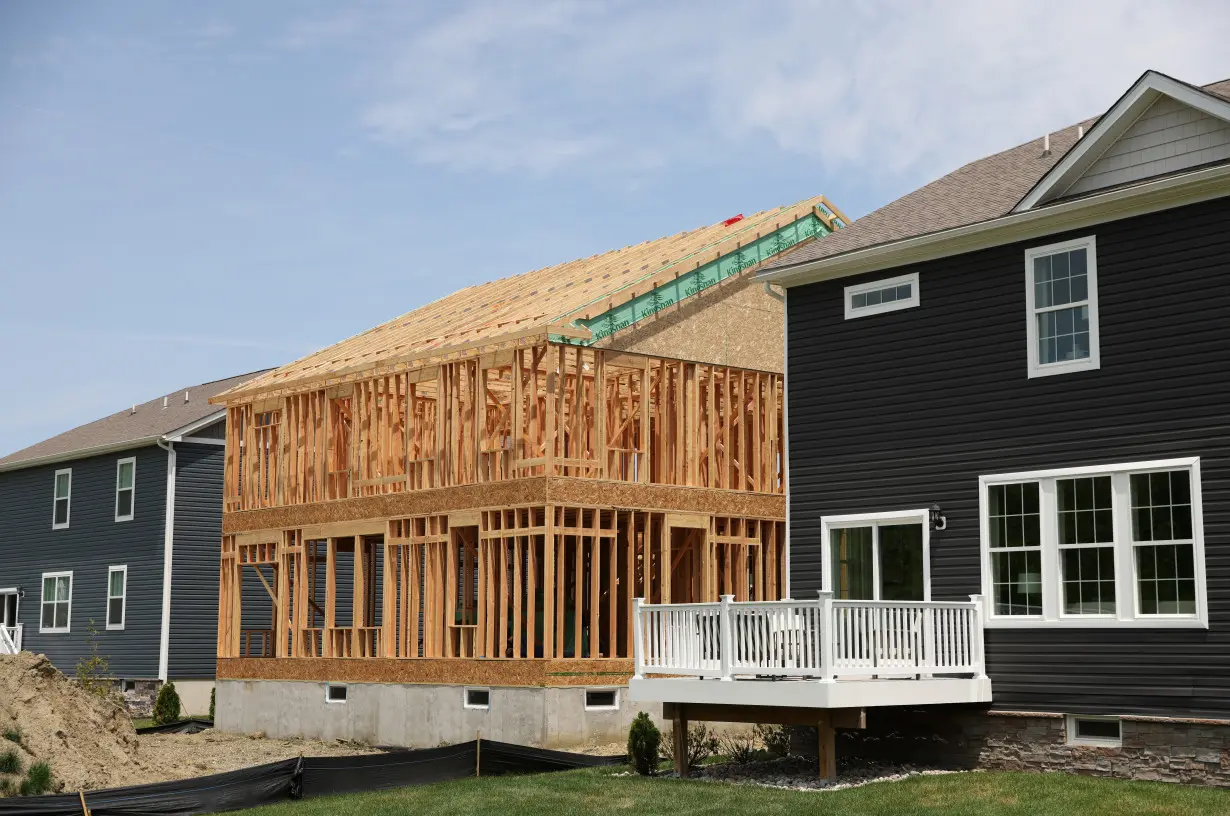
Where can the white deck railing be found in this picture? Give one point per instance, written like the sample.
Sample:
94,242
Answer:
826,638
10,639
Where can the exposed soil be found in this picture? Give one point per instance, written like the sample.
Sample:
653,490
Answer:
90,742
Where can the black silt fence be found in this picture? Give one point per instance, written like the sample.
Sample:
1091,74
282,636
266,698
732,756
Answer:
308,777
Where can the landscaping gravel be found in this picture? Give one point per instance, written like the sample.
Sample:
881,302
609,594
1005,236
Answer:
796,773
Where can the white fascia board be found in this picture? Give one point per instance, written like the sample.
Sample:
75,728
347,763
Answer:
1147,197
1122,115
82,453
811,693
178,434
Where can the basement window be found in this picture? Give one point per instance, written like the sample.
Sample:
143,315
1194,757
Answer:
335,693
889,295
478,698
1105,732
128,685
601,699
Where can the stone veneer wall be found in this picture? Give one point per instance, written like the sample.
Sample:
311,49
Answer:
1171,750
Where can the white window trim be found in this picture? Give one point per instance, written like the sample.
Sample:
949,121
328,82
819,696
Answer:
123,599
588,707
874,520
132,505
880,308
42,588
1094,360
1100,742
1126,591
343,700
68,513
465,698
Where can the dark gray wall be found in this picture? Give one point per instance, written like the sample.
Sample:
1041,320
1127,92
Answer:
93,542
908,408
194,569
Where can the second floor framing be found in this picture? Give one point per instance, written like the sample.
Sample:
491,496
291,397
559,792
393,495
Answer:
537,408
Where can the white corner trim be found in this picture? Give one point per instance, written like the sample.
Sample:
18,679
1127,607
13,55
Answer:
853,312
1113,124
1094,360
168,551
785,593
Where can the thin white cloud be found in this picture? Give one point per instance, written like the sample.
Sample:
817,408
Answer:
901,91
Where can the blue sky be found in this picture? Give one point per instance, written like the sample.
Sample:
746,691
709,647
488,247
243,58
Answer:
190,191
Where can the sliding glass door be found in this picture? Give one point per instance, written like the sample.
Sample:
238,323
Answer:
874,560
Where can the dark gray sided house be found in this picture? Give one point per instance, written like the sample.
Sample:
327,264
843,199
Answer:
1009,461
114,526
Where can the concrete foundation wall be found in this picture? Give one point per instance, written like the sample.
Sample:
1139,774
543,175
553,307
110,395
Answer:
421,716
194,697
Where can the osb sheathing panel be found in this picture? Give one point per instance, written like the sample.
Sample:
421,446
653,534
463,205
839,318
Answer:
538,490
736,324
430,671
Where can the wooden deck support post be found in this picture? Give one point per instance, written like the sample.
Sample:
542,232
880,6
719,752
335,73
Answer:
679,735
827,752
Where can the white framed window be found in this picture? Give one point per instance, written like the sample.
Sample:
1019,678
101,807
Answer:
477,698
878,556
601,699
877,297
1105,545
117,595
62,498
57,602
1061,295
336,693
1104,732
125,488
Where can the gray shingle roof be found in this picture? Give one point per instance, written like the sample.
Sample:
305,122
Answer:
981,190
150,420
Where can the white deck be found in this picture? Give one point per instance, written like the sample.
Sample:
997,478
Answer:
810,654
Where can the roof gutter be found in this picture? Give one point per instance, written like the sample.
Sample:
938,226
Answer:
1162,194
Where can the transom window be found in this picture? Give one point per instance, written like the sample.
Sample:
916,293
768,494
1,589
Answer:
878,556
62,498
57,602
125,488
1061,291
888,295
1114,545
117,592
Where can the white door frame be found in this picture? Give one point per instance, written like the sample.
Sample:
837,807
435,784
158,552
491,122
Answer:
875,521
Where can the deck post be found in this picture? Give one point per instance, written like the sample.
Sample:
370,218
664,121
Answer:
977,653
679,738
725,636
827,748
826,636
638,642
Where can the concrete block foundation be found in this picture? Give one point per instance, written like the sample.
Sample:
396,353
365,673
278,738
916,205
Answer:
422,716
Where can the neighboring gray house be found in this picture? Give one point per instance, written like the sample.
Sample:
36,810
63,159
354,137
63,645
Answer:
114,526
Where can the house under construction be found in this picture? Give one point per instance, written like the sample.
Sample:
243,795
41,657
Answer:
439,526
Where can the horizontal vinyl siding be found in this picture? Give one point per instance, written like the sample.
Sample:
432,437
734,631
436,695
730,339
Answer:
906,409
194,571
93,542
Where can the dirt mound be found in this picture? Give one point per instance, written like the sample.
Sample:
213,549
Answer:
89,741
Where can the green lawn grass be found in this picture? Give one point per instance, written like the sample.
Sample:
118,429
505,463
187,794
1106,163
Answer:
594,792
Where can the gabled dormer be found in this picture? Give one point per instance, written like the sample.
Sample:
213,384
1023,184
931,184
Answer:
1160,127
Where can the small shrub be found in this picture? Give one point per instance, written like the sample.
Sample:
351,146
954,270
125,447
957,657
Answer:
774,738
10,762
7,788
94,672
166,707
37,781
13,734
644,740
702,744
212,693
740,748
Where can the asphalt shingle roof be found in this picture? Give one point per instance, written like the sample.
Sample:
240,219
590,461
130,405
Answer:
149,420
981,190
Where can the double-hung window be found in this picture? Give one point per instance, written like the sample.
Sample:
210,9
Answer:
1092,546
57,602
61,499
878,556
1061,292
125,488
117,592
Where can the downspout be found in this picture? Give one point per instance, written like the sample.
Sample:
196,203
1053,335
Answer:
773,293
168,546
785,418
